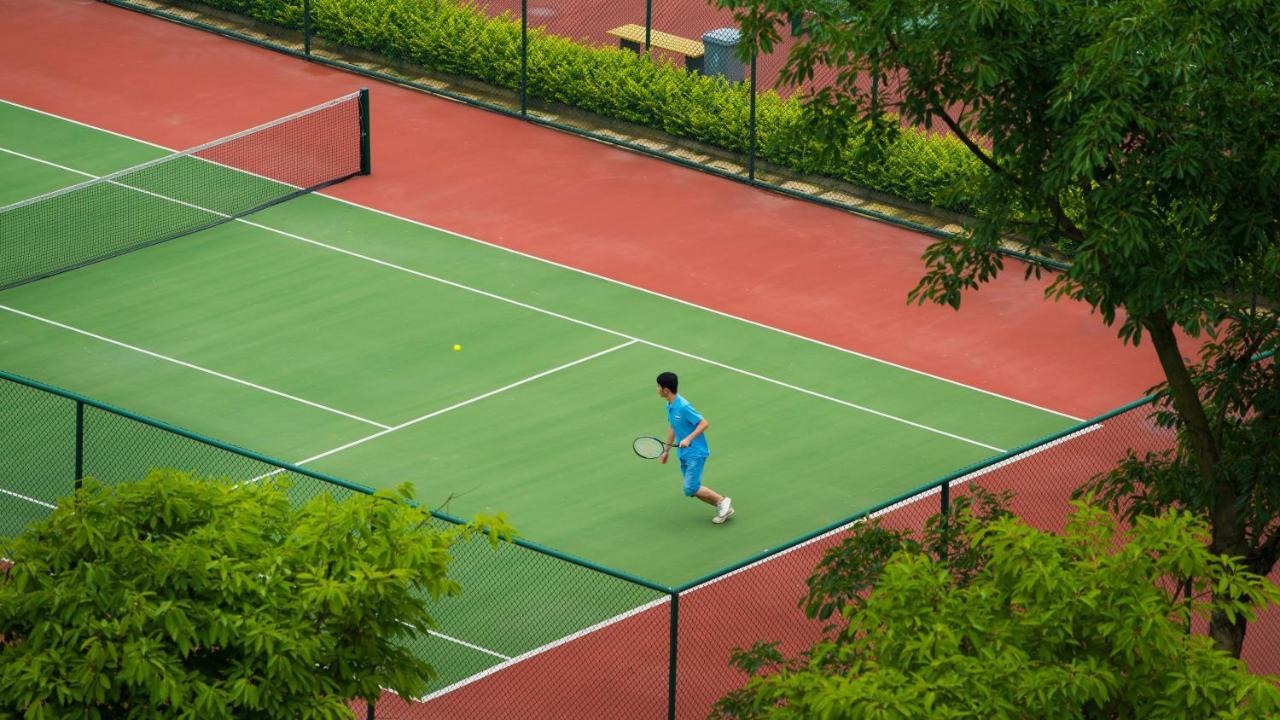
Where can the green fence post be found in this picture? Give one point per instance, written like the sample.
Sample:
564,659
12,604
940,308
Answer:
1187,589
524,58
79,443
672,654
306,27
368,715
648,23
751,151
366,162
945,491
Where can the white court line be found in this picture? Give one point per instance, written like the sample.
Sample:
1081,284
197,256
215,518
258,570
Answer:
597,276
28,499
464,643
539,650
829,398
444,410
109,179
550,313
464,403
191,366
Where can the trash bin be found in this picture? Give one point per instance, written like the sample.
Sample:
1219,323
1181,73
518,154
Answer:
719,59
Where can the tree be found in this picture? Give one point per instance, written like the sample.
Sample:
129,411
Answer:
848,571
1242,400
179,597
1133,143
1030,625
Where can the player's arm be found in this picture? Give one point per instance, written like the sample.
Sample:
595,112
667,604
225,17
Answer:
701,428
666,449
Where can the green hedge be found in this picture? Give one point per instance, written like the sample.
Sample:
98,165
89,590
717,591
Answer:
458,38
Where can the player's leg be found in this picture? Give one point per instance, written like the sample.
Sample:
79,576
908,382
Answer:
693,487
724,509
708,496
691,471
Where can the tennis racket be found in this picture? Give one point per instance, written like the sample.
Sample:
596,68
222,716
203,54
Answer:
648,447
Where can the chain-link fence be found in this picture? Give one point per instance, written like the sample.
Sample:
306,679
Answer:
762,599
520,600
656,76
537,634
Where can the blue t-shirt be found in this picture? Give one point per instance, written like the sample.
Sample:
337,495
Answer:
683,418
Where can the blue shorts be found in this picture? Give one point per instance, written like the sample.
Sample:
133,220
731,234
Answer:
691,470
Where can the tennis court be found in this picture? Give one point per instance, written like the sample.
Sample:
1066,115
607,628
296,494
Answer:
322,333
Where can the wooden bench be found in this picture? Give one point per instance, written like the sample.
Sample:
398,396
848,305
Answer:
631,37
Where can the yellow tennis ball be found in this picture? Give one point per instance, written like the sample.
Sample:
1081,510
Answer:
457,348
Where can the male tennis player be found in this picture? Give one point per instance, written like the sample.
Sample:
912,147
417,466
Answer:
691,427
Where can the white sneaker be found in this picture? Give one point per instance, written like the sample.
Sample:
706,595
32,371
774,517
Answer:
724,510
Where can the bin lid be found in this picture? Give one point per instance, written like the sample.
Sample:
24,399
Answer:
722,36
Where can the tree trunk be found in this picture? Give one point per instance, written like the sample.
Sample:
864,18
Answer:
1186,397
1227,531
1227,636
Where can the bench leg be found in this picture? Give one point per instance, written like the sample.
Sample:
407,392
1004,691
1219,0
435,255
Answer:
693,64
628,45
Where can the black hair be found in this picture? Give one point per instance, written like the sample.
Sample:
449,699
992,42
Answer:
669,381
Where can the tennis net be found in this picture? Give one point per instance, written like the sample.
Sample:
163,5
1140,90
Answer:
185,192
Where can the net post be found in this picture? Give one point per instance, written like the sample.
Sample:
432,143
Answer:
306,27
672,655
365,160
79,444
368,714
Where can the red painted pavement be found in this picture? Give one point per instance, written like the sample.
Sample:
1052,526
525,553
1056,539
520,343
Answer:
783,262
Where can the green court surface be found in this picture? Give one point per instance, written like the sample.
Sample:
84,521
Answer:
321,333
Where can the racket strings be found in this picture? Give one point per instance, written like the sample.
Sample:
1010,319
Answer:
647,447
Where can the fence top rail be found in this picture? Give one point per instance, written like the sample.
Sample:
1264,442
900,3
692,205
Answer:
161,425
305,472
